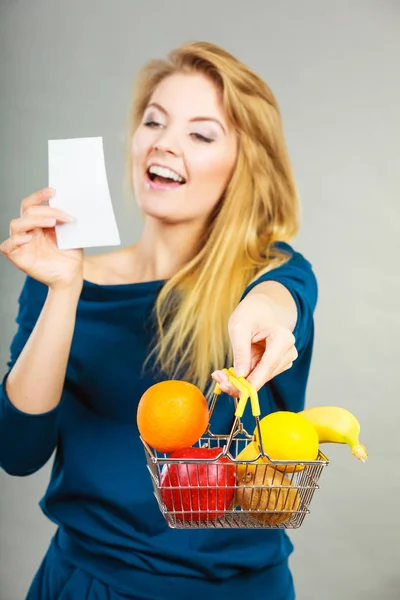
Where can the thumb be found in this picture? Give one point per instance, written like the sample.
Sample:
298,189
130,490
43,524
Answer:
240,336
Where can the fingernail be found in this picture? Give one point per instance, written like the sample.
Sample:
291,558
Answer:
66,217
216,376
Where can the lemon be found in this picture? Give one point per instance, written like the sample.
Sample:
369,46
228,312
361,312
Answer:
288,436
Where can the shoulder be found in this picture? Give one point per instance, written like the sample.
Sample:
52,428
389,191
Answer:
293,256
108,268
295,273
297,276
291,264
103,269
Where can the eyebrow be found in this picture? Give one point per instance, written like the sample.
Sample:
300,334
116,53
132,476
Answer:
195,119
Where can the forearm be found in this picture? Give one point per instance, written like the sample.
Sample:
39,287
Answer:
35,383
280,301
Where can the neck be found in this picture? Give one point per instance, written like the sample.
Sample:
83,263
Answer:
164,249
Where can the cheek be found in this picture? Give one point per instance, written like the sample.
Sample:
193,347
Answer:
216,171
139,147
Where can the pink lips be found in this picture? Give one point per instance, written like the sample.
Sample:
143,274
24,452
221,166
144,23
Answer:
155,185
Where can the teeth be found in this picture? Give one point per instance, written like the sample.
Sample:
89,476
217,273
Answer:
164,172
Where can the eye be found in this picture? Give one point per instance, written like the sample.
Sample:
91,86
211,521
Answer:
202,138
152,123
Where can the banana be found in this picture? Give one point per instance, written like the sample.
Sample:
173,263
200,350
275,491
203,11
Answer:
338,425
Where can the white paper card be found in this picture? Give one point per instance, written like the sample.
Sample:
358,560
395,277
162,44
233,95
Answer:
77,173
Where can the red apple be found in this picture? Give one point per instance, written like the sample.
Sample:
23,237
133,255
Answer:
191,499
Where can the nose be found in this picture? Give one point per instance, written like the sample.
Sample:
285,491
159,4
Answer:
167,142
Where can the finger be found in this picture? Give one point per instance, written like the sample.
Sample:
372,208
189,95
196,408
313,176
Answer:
47,211
282,369
224,384
228,388
33,221
22,226
240,336
220,376
38,197
277,346
286,363
11,244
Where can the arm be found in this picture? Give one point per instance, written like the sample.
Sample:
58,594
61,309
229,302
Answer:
35,383
273,323
32,390
280,301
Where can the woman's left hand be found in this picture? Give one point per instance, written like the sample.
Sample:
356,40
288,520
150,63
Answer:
263,346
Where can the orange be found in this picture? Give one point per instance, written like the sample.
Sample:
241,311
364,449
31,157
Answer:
172,415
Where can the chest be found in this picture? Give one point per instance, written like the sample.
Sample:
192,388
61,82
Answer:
109,370
106,369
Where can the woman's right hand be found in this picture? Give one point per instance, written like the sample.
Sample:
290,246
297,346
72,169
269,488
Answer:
32,245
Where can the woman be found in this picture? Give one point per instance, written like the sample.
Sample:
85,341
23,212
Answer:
212,282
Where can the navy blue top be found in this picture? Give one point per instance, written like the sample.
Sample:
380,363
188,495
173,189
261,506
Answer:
100,491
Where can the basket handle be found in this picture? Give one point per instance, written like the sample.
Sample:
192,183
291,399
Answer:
246,390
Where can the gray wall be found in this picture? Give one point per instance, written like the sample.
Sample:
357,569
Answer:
66,71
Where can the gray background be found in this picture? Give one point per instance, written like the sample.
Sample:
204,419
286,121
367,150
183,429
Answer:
67,71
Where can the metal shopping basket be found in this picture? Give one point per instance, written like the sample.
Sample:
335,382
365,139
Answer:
220,491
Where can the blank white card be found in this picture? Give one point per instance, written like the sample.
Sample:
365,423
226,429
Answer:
78,175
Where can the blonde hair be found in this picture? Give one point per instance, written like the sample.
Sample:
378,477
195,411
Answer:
259,207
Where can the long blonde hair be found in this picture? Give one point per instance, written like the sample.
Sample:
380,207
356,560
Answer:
259,207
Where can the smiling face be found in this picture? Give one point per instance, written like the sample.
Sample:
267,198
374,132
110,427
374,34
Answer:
183,151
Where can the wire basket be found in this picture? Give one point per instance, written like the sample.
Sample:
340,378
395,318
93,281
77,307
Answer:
220,491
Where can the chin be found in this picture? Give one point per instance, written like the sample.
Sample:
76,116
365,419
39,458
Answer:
159,213
159,207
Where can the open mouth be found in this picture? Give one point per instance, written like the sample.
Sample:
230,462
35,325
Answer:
164,176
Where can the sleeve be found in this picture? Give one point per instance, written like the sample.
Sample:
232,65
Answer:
298,277
287,391
26,440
